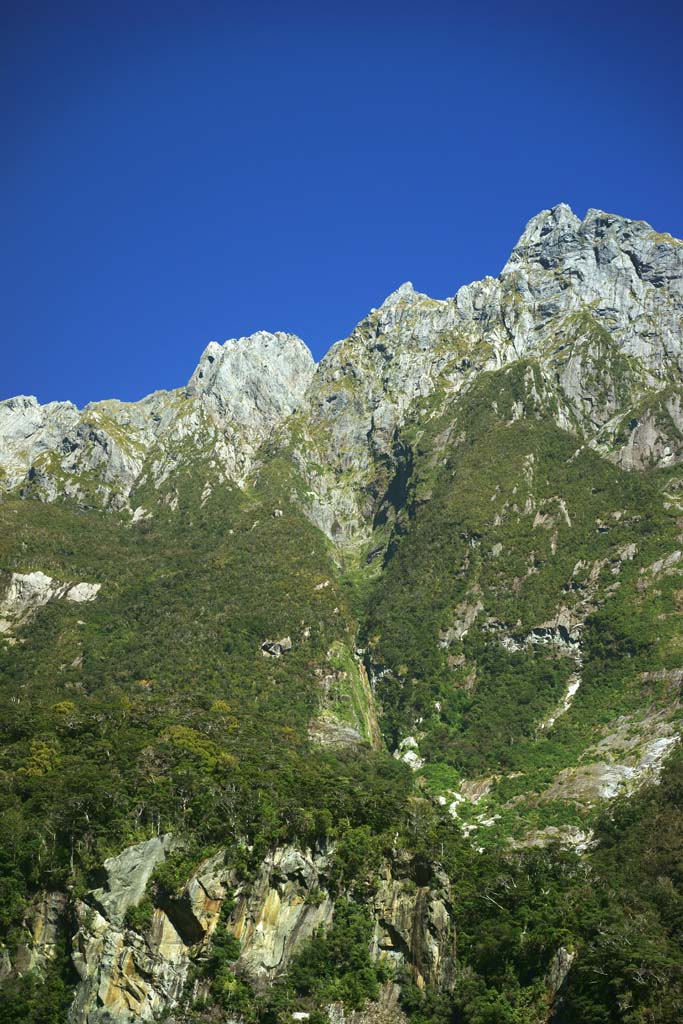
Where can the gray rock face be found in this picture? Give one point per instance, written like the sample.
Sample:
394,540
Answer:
630,277
254,381
596,304
127,877
127,976
413,927
235,398
275,917
276,648
560,966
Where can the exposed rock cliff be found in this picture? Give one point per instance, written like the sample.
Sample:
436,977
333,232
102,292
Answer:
234,399
598,303
26,592
131,975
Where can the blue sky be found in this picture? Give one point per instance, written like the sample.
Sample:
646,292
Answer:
183,172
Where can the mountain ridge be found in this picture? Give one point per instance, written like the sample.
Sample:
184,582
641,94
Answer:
560,267
356,688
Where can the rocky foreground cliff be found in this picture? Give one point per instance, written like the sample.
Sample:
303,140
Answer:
352,691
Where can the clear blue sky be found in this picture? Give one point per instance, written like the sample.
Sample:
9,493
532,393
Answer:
180,172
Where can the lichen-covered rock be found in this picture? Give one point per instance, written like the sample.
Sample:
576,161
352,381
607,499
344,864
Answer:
278,913
276,648
413,927
254,381
560,966
632,752
126,975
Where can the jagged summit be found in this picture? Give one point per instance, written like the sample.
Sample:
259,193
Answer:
544,231
404,291
264,376
556,236
621,273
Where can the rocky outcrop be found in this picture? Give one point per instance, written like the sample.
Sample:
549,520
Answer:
44,925
413,928
287,903
254,381
276,648
137,968
649,435
558,971
124,975
631,753
408,751
234,399
27,592
127,876
136,974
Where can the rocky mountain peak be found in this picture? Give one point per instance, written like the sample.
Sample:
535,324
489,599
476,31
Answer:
262,376
618,276
546,232
402,293
602,243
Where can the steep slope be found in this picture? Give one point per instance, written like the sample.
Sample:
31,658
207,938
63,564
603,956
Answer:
338,690
599,304
236,397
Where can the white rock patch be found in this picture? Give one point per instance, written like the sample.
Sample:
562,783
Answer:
83,592
407,751
27,592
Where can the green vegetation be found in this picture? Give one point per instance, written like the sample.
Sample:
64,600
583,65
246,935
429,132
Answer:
518,525
507,560
335,966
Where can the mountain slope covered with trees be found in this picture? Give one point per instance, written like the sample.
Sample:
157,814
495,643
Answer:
351,692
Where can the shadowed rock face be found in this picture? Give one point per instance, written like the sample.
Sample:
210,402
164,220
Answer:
45,923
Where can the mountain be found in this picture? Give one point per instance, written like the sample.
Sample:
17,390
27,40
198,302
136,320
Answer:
351,692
